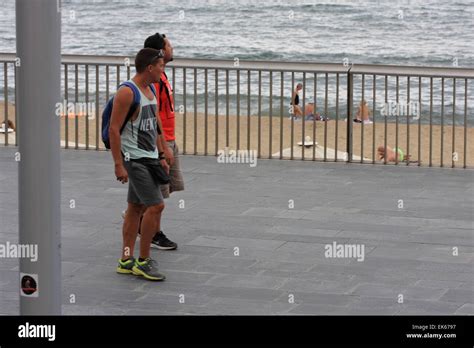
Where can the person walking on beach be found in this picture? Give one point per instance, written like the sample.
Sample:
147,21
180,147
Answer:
295,100
139,140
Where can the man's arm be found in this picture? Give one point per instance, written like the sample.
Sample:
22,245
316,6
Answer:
161,142
122,102
166,149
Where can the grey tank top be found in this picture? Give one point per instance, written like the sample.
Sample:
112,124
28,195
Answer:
139,137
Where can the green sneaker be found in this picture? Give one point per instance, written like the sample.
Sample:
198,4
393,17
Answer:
147,269
125,267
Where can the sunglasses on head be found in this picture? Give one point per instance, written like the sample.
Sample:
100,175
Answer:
156,57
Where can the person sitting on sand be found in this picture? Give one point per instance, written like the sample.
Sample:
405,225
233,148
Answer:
7,127
363,112
310,115
391,154
295,100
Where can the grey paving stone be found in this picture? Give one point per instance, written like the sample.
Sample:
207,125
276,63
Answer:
304,298
418,307
255,294
466,309
265,282
318,309
227,242
459,295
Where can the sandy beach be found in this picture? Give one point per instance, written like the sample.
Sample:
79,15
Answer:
233,133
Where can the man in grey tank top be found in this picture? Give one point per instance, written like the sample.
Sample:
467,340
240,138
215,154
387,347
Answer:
138,158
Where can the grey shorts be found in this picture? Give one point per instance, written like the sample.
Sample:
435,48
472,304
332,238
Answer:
142,188
176,177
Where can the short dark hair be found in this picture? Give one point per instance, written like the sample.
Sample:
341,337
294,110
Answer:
156,41
145,57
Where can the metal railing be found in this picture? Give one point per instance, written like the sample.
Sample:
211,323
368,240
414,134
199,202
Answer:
245,105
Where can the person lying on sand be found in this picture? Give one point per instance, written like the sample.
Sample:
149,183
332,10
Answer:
310,115
10,125
392,154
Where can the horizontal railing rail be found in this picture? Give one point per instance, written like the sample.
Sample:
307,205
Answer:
234,104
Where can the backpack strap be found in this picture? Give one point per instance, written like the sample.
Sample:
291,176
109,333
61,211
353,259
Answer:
136,102
152,87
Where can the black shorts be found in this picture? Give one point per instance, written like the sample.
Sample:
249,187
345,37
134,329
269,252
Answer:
142,187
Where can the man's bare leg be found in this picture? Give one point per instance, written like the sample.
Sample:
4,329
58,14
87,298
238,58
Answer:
130,228
149,225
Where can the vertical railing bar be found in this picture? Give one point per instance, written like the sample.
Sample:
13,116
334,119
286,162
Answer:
282,77
292,115
174,85
374,97
128,71
431,121
303,124
205,111
66,96
216,113
184,111
76,119
87,106
453,123
259,112
419,120
248,109
97,106
349,115
326,115
386,116
408,119
118,75
227,136
107,82
315,96
465,122
238,109
361,108
336,139
442,122
396,119
195,111
17,89
5,99
270,116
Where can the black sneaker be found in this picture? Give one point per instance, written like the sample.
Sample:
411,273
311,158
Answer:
160,241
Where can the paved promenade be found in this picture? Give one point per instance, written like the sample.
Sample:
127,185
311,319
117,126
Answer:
282,265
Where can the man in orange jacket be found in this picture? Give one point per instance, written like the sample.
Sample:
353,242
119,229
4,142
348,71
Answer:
167,116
